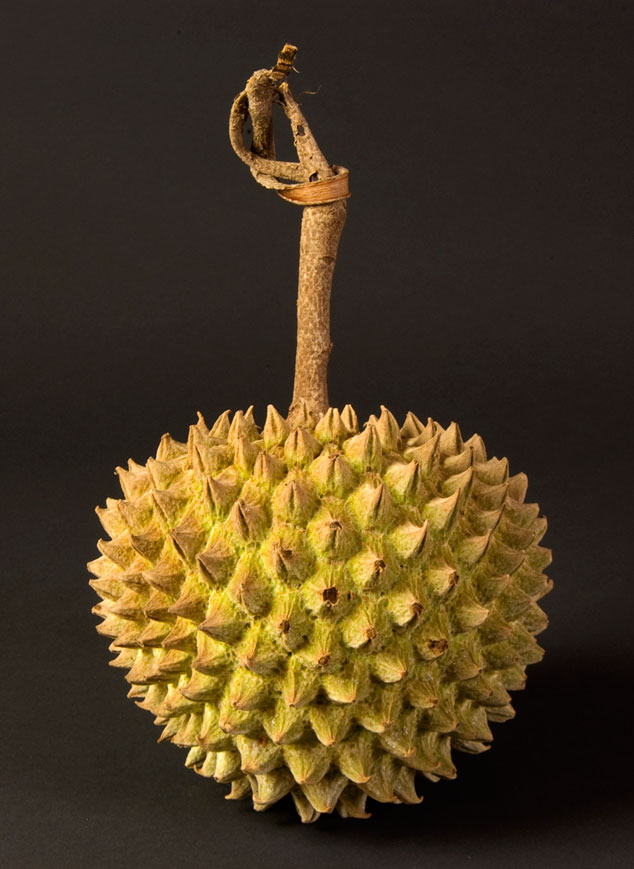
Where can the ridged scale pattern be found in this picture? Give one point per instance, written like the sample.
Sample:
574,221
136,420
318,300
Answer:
322,611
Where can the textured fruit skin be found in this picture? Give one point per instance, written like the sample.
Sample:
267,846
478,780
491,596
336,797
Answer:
321,611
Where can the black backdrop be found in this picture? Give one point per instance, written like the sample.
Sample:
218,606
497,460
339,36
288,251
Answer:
485,275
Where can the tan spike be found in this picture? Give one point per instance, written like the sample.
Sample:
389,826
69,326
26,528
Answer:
163,474
134,481
220,428
300,447
349,419
169,449
110,517
220,492
412,426
247,520
364,450
276,429
331,427
268,468
323,795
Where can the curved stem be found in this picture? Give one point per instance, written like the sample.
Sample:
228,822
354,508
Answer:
321,223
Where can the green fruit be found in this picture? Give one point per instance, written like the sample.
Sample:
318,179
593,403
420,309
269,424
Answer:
323,612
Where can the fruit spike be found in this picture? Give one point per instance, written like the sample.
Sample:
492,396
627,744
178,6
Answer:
315,607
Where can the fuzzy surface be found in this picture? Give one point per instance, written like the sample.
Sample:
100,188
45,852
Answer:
321,610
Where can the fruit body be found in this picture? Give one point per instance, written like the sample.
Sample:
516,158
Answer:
319,610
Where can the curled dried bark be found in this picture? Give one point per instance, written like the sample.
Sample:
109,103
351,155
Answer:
322,190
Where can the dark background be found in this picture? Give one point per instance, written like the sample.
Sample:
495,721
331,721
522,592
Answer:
485,275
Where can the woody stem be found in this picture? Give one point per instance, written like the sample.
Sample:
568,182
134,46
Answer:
321,223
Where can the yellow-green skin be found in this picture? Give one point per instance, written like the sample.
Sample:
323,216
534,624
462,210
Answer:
321,611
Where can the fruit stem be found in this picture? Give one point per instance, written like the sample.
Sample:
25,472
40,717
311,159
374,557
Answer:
322,190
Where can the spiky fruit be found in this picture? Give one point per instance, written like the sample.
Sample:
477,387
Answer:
321,611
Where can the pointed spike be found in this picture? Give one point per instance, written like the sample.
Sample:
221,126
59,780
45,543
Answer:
299,686
467,612
323,795
352,803
294,501
108,588
431,639
451,440
373,505
349,419
135,481
471,550
247,691
242,426
441,579
518,484
300,447
119,551
410,541
380,786
258,652
371,570
425,454
283,724
412,427
247,520
275,430
356,757
220,492
493,472
227,766
171,503
223,621
441,512
137,514
270,787
305,810
330,723
191,605
331,428
308,763
245,453
332,474
182,636
220,428
110,517
215,564
189,537
258,756
149,543
240,789
333,534
249,588
157,607
163,474
286,556
382,711
167,577
364,450
268,468
388,431
169,449
212,656
406,482
478,450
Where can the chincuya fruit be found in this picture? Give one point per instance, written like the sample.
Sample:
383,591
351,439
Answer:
315,607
